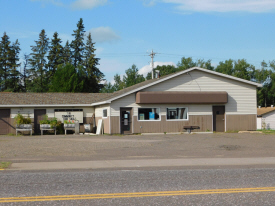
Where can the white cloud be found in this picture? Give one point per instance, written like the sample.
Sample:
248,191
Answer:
87,4
147,68
256,6
103,34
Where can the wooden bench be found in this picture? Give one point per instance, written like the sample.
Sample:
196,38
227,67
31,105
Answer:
189,128
24,128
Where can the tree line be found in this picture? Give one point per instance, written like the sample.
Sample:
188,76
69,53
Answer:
237,68
51,67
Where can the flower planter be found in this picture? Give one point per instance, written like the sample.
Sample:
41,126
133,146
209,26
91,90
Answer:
45,126
24,126
69,125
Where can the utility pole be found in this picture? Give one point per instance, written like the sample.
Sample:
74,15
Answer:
152,62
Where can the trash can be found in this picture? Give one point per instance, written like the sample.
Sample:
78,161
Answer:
87,128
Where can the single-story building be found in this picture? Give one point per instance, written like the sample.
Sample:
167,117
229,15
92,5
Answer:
193,97
266,118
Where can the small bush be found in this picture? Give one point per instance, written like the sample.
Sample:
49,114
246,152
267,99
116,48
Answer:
19,119
45,120
59,127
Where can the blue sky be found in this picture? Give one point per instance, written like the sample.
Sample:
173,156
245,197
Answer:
125,31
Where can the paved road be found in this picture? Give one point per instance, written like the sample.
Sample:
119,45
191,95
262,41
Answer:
147,187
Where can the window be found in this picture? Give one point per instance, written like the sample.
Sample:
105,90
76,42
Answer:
177,113
104,113
148,114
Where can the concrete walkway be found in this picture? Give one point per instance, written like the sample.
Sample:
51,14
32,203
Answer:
142,163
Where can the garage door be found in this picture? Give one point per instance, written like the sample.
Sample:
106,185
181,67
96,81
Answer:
4,121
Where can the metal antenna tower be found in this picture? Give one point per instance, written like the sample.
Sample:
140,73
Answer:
152,54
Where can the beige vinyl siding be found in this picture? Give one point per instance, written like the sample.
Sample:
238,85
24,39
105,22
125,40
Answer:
24,111
241,96
99,115
269,120
99,110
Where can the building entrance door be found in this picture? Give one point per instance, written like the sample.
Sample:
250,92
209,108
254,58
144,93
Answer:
4,121
218,118
126,120
38,115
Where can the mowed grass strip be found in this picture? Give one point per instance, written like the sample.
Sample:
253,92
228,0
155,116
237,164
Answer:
4,165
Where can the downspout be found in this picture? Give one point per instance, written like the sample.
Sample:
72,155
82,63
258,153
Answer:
110,130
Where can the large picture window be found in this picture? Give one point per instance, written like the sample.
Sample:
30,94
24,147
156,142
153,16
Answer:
148,114
177,113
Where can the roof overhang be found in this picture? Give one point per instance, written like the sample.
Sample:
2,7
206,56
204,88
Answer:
100,103
186,97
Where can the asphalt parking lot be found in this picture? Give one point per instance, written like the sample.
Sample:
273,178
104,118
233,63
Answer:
49,148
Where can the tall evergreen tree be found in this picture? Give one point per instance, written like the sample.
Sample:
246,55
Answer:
66,79
5,61
78,44
93,75
55,54
67,54
14,80
38,71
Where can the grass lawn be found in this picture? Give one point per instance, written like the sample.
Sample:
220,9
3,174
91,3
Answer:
266,131
4,165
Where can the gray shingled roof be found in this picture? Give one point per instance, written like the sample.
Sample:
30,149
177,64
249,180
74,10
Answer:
9,98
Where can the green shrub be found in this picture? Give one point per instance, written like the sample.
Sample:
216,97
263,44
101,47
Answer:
19,119
59,128
45,120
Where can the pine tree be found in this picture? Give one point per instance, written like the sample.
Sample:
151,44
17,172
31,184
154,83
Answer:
5,61
93,75
77,44
66,79
14,80
67,54
55,54
38,71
